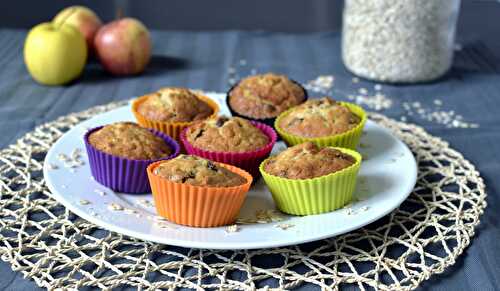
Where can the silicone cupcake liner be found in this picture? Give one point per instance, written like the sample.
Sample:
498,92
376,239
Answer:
248,161
195,205
173,129
316,195
267,121
348,139
122,174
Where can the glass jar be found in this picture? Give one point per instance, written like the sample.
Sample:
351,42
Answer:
399,40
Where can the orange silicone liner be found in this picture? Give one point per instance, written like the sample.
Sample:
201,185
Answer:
198,206
173,129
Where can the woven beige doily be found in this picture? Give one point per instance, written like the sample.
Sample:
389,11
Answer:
49,244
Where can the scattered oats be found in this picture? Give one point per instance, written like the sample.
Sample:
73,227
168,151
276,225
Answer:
322,84
393,160
162,225
403,118
145,202
359,199
377,87
232,228
355,80
100,192
75,154
84,202
377,102
448,118
62,157
243,62
457,47
347,206
93,213
363,91
365,208
284,226
232,81
130,211
52,166
349,211
115,207
159,218
231,70
253,72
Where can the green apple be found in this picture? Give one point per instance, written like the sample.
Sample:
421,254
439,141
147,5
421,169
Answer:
55,54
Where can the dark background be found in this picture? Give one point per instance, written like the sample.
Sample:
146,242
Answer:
479,19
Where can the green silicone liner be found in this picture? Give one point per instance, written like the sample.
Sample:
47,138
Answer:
316,195
348,139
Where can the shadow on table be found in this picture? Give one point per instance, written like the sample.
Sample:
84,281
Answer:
95,73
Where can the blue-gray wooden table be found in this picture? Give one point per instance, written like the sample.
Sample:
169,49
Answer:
202,60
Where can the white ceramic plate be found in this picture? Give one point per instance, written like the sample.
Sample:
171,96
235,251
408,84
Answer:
386,178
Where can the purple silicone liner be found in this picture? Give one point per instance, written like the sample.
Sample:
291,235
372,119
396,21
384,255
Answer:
122,174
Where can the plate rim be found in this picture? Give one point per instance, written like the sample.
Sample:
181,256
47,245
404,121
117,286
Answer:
219,245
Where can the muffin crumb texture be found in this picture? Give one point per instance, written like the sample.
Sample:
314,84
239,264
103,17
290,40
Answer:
227,135
265,96
318,118
129,140
197,171
306,161
174,105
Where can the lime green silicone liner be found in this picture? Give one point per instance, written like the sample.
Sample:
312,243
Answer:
316,195
348,139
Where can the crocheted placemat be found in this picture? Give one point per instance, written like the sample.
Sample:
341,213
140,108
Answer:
43,240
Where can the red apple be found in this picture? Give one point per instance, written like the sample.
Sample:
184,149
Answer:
83,19
123,46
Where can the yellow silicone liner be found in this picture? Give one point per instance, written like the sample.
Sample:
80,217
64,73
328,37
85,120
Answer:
173,129
348,139
316,195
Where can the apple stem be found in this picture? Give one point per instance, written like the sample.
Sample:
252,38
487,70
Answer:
71,12
119,13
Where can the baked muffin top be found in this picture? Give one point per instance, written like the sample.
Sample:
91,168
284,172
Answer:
198,172
319,117
306,161
265,96
233,134
174,105
129,140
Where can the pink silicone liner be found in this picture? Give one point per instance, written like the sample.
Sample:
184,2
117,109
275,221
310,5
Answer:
249,161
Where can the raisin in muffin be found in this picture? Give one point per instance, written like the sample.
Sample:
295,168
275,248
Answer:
224,134
129,140
306,161
319,118
265,96
197,171
174,105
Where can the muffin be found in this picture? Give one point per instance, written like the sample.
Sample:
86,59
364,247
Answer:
306,179
171,109
324,121
129,140
193,191
235,141
197,171
119,154
264,97
224,134
307,161
318,118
